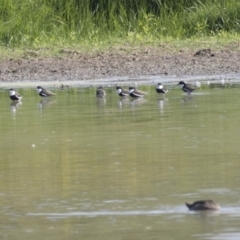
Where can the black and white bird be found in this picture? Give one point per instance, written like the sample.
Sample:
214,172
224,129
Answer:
44,92
188,88
203,205
136,93
121,92
100,93
160,89
14,96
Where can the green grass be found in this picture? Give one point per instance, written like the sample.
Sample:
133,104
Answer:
116,45
100,24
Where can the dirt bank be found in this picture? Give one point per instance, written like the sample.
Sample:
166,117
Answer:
148,63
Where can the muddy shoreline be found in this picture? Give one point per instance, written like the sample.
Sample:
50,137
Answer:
146,66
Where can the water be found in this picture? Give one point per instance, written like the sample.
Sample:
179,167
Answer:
74,167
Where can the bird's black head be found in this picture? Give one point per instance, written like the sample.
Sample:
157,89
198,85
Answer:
181,83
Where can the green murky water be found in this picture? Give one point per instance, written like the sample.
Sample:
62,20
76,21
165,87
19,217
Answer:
74,167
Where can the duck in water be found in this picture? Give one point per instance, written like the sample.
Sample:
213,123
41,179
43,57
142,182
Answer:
160,89
121,92
44,92
14,96
203,205
188,88
100,93
136,93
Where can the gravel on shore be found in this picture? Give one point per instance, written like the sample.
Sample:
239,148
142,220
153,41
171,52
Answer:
148,65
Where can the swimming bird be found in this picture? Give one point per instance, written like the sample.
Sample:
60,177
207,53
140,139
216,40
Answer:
100,93
121,92
160,89
188,88
136,93
44,92
203,205
14,96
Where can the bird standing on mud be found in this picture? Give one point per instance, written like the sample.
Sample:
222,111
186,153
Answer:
14,96
136,93
203,205
44,92
121,92
188,88
160,89
100,93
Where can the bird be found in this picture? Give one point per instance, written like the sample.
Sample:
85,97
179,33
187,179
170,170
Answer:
14,96
160,89
203,205
100,93
121,92
44,92
188,88
62,86
136,93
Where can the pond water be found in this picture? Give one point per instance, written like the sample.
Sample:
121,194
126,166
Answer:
77,167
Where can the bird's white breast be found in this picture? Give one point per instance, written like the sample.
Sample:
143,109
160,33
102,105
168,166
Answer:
39,90
131,90
12,93
119,90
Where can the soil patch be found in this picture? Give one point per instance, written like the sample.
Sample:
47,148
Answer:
75,66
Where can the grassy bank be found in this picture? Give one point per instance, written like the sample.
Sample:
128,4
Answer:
93,23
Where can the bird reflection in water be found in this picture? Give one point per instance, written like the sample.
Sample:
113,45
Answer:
137,102
123,102
187,98
162,101
101,102
45,103
14,106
